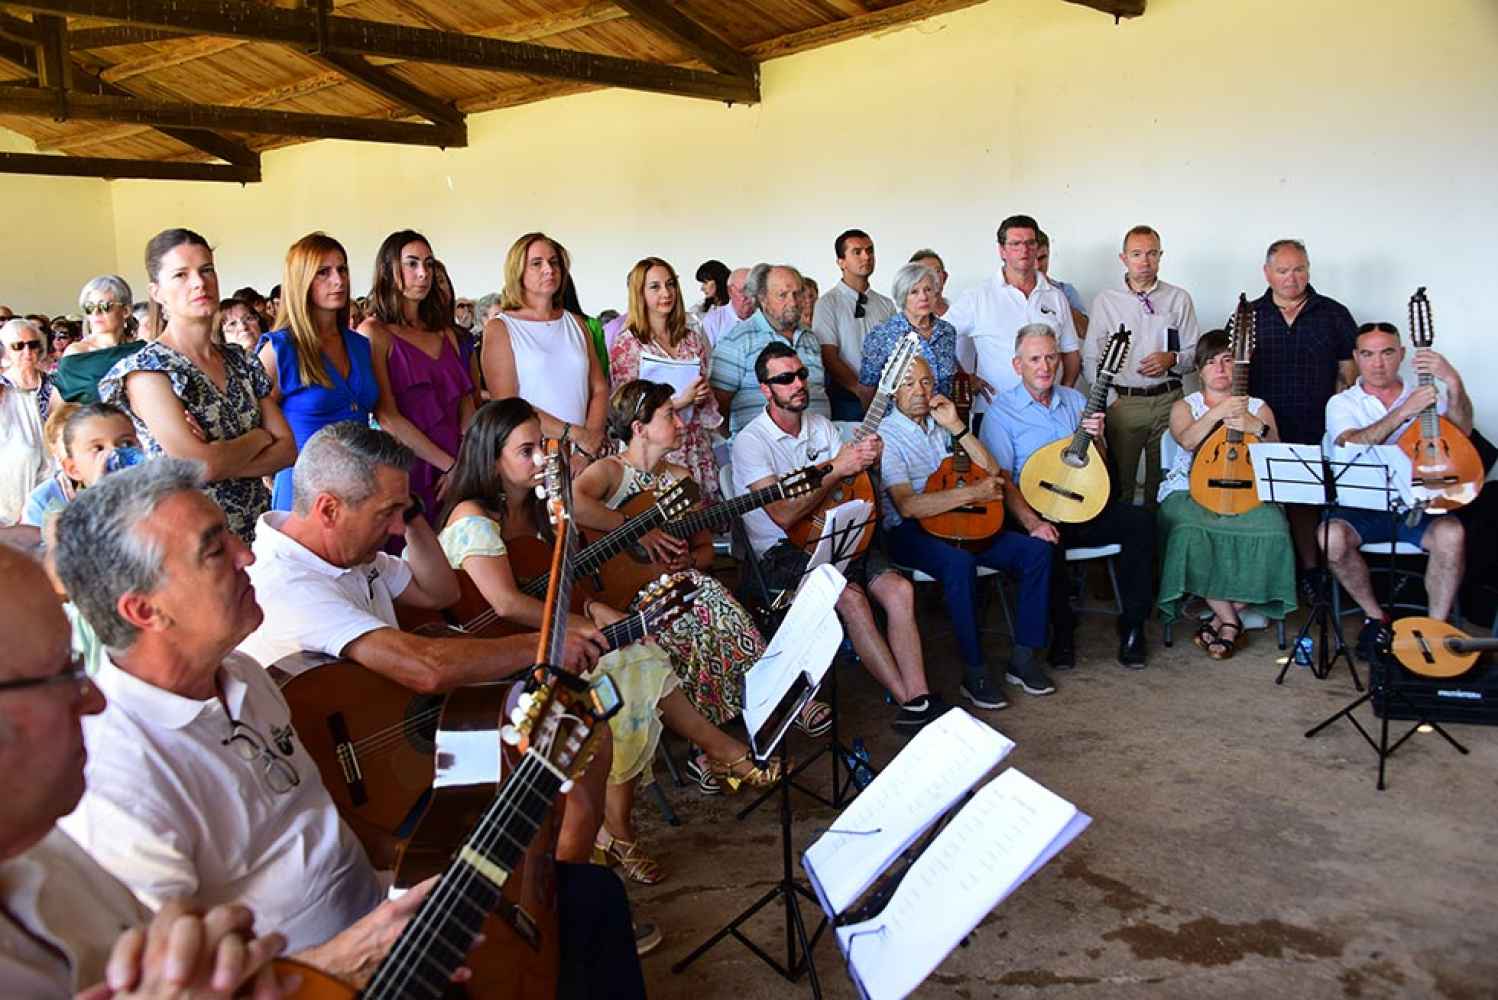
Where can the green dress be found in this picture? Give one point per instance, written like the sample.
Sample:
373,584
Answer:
77,376
641,671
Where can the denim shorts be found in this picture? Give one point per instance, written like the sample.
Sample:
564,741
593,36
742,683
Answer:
1377,527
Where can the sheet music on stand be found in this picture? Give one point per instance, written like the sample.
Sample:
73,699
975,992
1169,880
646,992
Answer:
1371,477
794,663
1001,836
841,528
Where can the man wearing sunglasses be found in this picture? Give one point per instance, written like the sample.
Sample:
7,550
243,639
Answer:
60,913
844,316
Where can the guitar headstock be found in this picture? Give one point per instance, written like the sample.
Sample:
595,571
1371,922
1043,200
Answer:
676,499
802,481
556,483
663,600
962,395
899,359
1243,330
1114,352
559,718
1422,326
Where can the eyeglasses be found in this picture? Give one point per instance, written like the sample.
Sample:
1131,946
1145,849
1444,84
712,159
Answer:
250,746
73,672
863,300
788,378
27,345
89,308
1027,244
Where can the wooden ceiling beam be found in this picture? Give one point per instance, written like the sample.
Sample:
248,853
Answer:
16,29
659,16
1117,8
853,27
385,84
134,111
84,39
117,169
306,30
166,58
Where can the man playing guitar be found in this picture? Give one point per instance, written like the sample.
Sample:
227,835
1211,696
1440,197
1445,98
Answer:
916,437
1375,410
782,439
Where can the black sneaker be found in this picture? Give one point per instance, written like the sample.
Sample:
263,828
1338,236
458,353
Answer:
984,694
919,712
1031,679
1131,650
1373,638
1063,654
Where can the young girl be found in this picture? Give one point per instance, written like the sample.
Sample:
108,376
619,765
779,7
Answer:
713,646
491,498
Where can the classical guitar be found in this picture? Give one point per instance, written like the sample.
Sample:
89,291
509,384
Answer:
805,532
1067,480
626,574
1433,648
554,725
1448,471
972,522
374,740
1222,476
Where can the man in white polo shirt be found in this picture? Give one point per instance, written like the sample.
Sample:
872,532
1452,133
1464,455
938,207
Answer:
784,438
845,314
1162,321
987,317
1376,409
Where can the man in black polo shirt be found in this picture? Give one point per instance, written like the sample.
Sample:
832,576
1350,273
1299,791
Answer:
1303,357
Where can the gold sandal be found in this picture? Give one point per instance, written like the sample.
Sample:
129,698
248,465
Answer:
741,772
627,856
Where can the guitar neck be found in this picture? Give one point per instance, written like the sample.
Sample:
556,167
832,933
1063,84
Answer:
1095,402
436,942
1240,390
626,630
588,560
710,518
877,409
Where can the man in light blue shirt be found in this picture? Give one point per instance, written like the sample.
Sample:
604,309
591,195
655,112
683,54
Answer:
777,289
1026,418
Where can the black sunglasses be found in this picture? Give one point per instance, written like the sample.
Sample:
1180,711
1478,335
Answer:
787,378
73,672
89,308
863,300
27,345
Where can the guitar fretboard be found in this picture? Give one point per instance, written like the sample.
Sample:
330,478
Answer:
720,514
588,560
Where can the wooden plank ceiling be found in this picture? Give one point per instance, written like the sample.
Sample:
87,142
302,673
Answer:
197,89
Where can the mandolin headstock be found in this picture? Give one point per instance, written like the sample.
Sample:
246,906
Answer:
1422,326
899,359
1114,353
1243,331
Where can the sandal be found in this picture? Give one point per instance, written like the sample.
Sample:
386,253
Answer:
627,856
1206,635
740,772
699,770
1223,647
815,718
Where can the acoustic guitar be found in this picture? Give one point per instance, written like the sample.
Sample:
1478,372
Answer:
972,522
1222,474
1067,480
1447,470
626,574
1433,648
554,726
806,532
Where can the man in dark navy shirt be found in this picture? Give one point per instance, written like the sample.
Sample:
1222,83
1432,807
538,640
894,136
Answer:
1302,357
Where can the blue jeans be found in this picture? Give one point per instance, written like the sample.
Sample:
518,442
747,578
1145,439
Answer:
956,570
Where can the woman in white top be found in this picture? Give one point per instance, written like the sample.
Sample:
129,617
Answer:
1231,562
542,353
23,450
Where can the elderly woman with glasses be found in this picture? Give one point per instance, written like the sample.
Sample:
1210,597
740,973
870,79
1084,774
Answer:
23,447
109,338
917,291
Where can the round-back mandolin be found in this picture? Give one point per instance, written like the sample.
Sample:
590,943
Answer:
1448,472
1222,473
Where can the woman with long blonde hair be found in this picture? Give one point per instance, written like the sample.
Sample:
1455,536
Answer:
321,371
657,328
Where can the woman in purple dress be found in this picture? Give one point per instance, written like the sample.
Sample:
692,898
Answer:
428,386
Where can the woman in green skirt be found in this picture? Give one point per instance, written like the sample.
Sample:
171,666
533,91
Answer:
1232,562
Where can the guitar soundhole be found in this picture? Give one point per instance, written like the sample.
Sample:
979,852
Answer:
420,722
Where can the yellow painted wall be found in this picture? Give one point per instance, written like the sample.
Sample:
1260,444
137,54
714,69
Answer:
1366,129
59,232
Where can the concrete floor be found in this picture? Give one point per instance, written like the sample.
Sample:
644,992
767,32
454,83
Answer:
1228,857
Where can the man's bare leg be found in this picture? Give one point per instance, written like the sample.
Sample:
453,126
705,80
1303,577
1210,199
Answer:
863,632
897,597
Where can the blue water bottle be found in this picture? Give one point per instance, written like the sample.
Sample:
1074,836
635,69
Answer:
1303,650
859,767
123,457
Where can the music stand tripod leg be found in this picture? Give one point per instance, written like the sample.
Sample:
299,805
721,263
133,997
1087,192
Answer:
1331,645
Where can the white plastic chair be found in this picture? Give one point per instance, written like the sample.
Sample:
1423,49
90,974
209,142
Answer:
1108,553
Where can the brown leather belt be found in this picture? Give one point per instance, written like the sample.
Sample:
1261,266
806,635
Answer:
1169,385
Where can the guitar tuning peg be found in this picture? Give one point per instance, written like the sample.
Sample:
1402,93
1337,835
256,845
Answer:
518,715
566,787
510,735
540,491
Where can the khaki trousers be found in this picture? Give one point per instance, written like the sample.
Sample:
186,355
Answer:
1134,427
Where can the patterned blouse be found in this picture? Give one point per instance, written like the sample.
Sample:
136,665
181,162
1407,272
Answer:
223,416
940,350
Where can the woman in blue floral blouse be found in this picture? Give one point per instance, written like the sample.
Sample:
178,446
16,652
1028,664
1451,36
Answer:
192,398
917,292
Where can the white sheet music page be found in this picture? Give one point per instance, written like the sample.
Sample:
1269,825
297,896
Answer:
942,762
805,643
1010,828
840,529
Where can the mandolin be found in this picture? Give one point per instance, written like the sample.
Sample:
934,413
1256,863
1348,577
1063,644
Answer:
1222,474
1448,470
626,574
972,522
1067,480
806,532
555,723
1433,648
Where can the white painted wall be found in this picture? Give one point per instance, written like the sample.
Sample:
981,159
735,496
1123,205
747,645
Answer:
1366,129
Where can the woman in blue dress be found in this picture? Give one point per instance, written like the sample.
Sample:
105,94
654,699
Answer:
320,370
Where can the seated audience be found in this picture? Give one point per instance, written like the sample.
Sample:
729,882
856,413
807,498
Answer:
87,438
54,492
917,290
776,292
239,325
1231,562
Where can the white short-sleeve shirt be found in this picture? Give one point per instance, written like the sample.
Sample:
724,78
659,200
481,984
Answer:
763,450
1354,408
835,324
309,603
988,317
172,810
